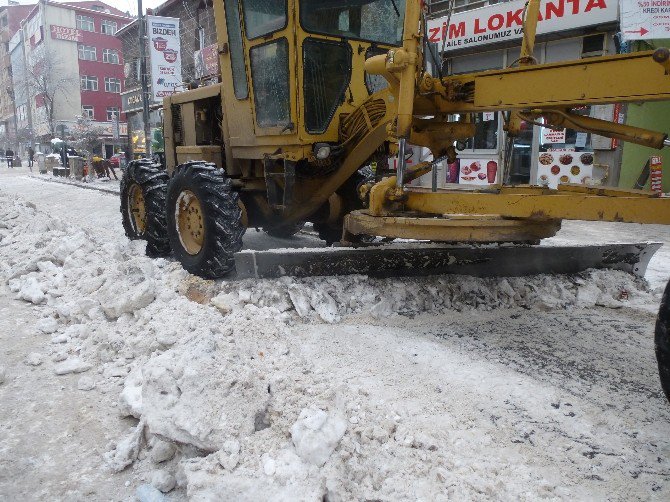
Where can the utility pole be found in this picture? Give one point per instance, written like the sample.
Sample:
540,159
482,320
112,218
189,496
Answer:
144,79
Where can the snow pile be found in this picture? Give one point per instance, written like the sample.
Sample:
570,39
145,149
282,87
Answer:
230,401
330,298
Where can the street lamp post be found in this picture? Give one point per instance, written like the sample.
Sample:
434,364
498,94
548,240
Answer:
144,79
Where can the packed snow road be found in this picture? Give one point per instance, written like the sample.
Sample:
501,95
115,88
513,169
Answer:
124,376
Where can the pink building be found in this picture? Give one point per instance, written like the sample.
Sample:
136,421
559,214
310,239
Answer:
73,43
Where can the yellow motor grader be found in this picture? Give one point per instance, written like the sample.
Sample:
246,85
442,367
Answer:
312,91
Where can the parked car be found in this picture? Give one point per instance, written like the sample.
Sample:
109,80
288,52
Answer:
118,160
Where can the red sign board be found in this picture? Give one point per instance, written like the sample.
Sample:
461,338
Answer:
64,33
656,173
207,61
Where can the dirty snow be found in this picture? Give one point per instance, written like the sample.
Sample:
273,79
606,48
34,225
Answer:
329,388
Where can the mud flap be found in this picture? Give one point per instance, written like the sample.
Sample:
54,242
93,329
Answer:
397,260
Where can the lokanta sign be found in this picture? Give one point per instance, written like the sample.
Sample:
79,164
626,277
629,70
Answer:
504,21
645,19
165,52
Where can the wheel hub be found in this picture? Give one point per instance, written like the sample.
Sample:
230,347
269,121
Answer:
137,209
189,221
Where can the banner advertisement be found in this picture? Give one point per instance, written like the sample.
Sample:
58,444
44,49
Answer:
165,56
564,166
656,173
504,21
483,171
207,61
645,19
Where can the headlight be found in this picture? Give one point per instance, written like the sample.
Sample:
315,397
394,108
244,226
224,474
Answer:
321,151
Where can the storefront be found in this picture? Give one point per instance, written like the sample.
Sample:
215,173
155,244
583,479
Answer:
489,38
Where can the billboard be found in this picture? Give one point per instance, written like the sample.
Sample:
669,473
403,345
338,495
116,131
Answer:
504,21
165,56
645,19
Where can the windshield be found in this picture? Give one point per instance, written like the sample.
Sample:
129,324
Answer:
379,21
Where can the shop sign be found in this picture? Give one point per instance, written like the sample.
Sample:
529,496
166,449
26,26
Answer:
131,101
504,21
645,19
480,171
207,61
551,136
656,173
109,129
64,33
165,55
564,166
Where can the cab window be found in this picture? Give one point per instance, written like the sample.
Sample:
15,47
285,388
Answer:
262,17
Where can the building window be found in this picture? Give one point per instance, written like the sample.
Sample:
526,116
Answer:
87,111
110,56
87,52
108,27
85,23
112,85
89,83
112,113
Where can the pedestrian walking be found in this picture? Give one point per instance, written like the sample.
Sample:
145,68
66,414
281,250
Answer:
108,166
31,157
9,155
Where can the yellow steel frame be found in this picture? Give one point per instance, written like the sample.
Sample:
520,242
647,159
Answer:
530,91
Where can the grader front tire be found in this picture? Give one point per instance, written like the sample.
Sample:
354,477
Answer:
204,220
143,194
662,342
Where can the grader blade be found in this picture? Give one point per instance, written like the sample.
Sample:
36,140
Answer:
421,260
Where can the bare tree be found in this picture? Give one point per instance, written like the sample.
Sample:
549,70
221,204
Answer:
87,136
48,80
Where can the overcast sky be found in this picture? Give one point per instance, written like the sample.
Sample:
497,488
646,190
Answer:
124,5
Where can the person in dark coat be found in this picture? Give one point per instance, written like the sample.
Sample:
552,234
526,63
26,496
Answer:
31,156
9,155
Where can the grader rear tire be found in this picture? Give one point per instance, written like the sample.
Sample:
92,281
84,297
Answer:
204,220
143,194
662,342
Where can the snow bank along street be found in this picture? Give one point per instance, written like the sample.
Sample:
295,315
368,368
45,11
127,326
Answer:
123,376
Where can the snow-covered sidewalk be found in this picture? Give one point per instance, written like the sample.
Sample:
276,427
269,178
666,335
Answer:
313,389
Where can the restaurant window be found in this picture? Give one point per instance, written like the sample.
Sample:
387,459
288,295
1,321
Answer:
85,23
110,56
87,111
89,83
108,27
112,85
87,52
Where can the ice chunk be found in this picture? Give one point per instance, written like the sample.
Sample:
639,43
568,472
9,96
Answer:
34,359
316,434
72,365
147,493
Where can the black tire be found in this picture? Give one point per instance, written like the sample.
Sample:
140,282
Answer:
662,342
329,233
153,182
284,232
332,232
221,215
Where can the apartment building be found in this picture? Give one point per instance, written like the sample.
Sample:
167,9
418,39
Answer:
67,62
